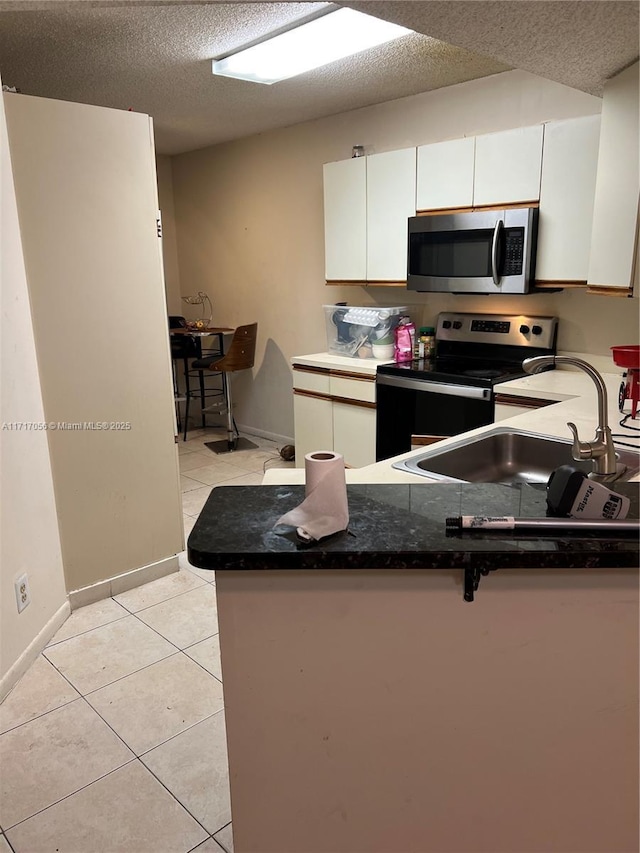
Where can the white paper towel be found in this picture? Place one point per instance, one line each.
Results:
(324, 510)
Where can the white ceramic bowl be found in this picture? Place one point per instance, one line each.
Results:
(382, 351)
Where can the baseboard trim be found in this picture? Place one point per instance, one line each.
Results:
(121, 583)
(261, 433)
(29, 655)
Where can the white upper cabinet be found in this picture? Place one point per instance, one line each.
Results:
(367, 201)
(615, 215)
(445, 174)
(507, 166)
(567, 192)
(391, 200)
(345, 220)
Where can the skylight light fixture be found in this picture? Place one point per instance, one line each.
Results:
(340, 33)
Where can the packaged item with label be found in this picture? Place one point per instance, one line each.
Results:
(404, 340)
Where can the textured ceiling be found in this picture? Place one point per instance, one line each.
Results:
(155, 56)
(580, 43)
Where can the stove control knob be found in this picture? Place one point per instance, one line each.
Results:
(525, 329)
(446, 324)
(537, 330)
(457, 324)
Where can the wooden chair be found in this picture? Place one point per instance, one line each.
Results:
(240, 356)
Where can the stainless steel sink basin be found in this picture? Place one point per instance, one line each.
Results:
(504, 455)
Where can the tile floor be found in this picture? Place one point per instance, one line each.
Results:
(114, 740)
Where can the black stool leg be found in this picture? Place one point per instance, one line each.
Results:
(201, 381)
(231, 436)
(187, 398)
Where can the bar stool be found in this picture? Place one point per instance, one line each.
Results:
(198, 382)
(240, 356)
(183, 347)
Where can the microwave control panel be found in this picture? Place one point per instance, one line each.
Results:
(513, 251)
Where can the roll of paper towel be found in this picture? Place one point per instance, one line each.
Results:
(324, 510)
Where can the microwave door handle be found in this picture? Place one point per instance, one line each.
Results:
(495, 272)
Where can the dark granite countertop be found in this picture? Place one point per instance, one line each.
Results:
(398, 526)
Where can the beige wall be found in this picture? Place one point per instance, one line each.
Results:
(85, 183)
(169, 245)
(29, 539)
(249, 221)
(386, 714)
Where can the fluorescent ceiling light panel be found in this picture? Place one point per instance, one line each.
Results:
(311, 45)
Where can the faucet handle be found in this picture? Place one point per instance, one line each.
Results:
(580, 449)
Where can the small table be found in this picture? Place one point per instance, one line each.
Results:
(198, 335)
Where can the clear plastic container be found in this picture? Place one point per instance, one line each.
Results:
(350, 328)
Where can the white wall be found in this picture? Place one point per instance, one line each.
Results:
(29, 539)
(169, 245)
(249, 221)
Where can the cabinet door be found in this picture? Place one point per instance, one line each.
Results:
(615, 214)
(345, 220)
(503, 411)
(354, 434)
(507, 166)
(391, 200)
(85, 183)
(313, 424)
(445, 174)
(569, 163)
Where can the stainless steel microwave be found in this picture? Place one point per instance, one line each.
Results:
(488, 251)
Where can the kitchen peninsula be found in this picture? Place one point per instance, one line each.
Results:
(372, 709)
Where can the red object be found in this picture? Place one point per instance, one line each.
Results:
(629, 358)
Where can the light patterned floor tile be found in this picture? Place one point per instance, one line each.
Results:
(225, 838)
(250, 479)
(151, 706)
(253, 460)
(206, 574)
(184, 448)
(86, 618)
(196, 459)
(193, 766)
(187, 619)
(187, 484)
(188, 521)
(153, 593)
(41, 689)
(53, 756)
(4, 845)
(208, 846)
(192, 502)
(207, 654)
(216, 472)
(105, 654)
(128, 811)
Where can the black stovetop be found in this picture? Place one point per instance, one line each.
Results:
(478, 373)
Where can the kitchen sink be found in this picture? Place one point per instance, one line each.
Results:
(504, 455)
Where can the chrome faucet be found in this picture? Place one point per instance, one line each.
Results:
(601, 450)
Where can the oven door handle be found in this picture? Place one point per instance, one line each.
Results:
(495, 272)
(435, 387)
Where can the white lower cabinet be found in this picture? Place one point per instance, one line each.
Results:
(354, 433)
(313, 421)
(334, 411)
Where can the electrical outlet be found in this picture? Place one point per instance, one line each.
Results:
(23, 593)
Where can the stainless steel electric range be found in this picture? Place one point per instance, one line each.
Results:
(453, 392)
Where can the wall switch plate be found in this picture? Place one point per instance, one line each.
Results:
(23, 593)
